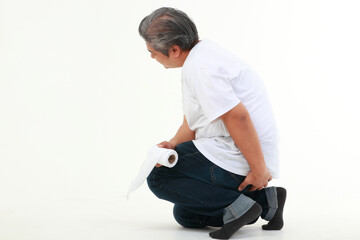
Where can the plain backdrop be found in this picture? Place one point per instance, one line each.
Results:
(81, 102)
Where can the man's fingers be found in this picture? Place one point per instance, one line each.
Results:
(243, 185)
(162, 144)
(253, 188)
(165, 145)
(253, 183)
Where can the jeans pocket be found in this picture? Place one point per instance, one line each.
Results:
(224, 178)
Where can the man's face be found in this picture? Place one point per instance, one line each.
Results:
(166, 61)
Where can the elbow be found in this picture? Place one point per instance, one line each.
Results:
(240, 118)
(238, 114)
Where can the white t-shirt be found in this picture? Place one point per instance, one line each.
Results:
(213, 82)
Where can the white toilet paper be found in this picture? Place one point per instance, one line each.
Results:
(163, 156)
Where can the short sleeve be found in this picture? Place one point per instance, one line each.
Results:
(212, 88)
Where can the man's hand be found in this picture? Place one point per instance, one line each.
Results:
(257, 181)
(167, 145)
(243, 132)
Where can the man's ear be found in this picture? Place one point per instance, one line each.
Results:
(175, 51)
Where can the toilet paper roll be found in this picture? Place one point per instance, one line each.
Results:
(163, 156)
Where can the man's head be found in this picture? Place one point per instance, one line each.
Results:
(168, 31)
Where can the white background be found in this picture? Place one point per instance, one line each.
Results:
(81, 102)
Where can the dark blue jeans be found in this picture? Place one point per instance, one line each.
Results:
(199, 189)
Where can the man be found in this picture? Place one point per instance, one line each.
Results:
(228, 141)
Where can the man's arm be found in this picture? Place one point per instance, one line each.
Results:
(242, 131)
(184, 134)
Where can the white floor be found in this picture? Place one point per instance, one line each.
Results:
(108, 216)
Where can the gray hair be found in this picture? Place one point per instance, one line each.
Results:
(166, 27)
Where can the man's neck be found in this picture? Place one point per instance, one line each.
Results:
(183, 57)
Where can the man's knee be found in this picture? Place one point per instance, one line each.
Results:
(152, 181)
(185, 219)
(178, 215)
(158, 179)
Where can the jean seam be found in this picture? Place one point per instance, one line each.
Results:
(212, 174)
(213, 178)
(233, 212)
(234, 177)
(190, 154)
(183, 220)
(182, 194)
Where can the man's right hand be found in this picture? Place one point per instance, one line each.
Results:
(167, 145)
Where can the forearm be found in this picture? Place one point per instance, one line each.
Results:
(242, 131)
(184, 134)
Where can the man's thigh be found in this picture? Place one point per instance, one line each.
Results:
(192, 163)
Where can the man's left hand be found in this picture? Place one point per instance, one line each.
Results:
(257, 181)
